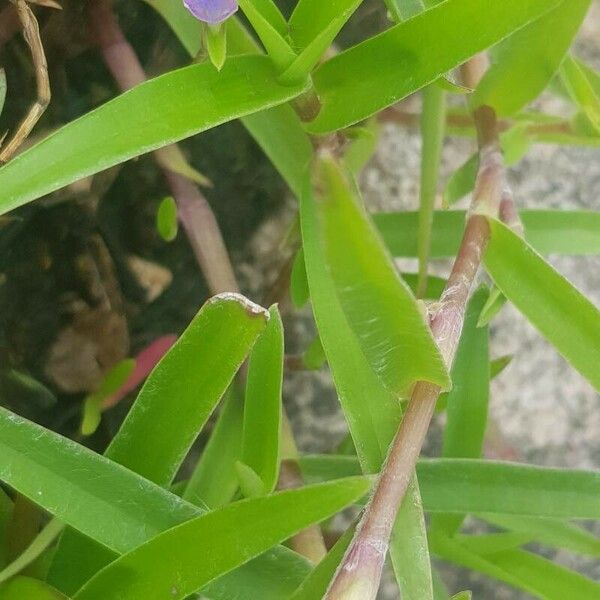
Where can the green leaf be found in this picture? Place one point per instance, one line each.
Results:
(271, 13)
(311, 18)
(581, 90)
(92, 406)
(151, 115)
(192, 377)
(493, 542)
(466, 595)
(251, 485)
(80, 487)
(299, 292)
(154, 442)
(499, 364)
(534, 574)
(557, 309)
(492, 307)
(214, 480)
(316, 584)
(548, 231)
(461, 182)
(402, 10)
(35, 549)
(168, 565)
(548, 579)
(372, 413)
(215, 40)
(166, 219)
(524, 63)
(362, 146)
(467, 403)
(439, 589)
(550, 532)
(114, 506)
(314, 356)
(484, 486)
(424, 48)
(281, 136)
(6, 509)
(26, 588)
(433, 128)
(409, 548)
(379, 306)
(262, 409)
(275, 44)
(324, 20)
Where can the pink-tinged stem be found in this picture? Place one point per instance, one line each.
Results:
(360, 572)
(145, 361)
(195, 213)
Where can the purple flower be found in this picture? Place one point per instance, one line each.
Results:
(211, 11)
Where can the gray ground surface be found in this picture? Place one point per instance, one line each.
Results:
(540, 406)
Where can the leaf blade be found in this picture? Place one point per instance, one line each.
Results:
(175, 105)
(232, 535)
(378, 304)
(425, 47)
(525, 62)
(565, 317)
(262, 408)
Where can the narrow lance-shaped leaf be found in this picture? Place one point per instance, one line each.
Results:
(312, 17)
(550, 532)
(21, 588)
(379, 306)
(168, 566)
(315, 585)
(262, 408)
(214, 480)
(276, 45)
(299, 292)
(467, 403)
(483, 486)
(372, 295)
(582, 90)
(80, 487)
(548, 231)
(423, 48)
(371, 410)
(116, 507)
(564, 316)
(308, 16)
(524, 64)
(534, 574)
(154, 442)
(153, 114)
(409, 548)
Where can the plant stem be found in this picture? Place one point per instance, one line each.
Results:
(433, 119)
(195, 213)
(360, 572)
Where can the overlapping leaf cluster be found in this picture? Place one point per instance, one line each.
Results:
(127, 533)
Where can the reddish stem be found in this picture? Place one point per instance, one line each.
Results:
(195, 213)
(360, 572)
